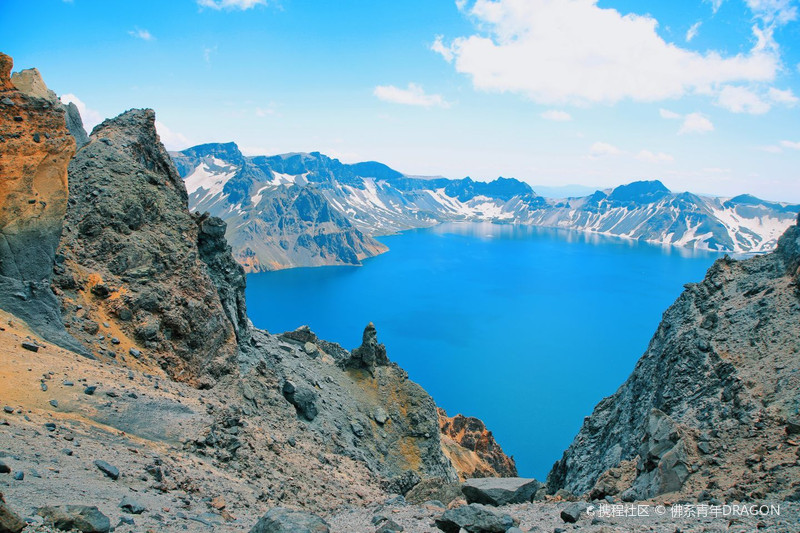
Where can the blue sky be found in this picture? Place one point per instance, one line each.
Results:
(701, 94)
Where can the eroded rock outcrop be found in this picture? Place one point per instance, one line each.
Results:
(472, 448)
(370, 413)
(134, 255)
(35, 149)
(706, 411)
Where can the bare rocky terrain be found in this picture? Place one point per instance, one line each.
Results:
(137, 396)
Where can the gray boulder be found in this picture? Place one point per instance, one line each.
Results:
(81, 517)
(500, 490)
(434, 489)
(475, 518)
(572, 512)
(130, 505)
(282, 520)
(303, 398)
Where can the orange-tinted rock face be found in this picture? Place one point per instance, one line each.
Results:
(35, 149)
(472, 448)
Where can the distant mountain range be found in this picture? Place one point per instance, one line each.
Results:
(307, 209)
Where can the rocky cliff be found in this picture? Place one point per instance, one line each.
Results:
(132, 255)
(710, 410)
(472, 448)
(35, 149)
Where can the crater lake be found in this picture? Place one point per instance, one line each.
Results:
(525, 328)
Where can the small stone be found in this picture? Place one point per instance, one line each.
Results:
(19, 476)
(66, 451)
(43, 386)
(572, 512)
(7, 101)
(30, 346)
(54, 403)
(4, 468)
(129, 505)
(90, 390)
(8, 409)
(389, 526)
(135, 353)
(50, 426)
(69, 384)
(114, 340)
(109, 470)
(380, 416)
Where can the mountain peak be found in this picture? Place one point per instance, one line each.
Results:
(639, 192)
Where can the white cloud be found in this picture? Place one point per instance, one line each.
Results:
(791, 145)
(231, 4)
(141, 34)
(601, 149)
(556, 116)
(654, 157)
(741, 100)
(90, 117)
(440, 48)
(413, 95)
(671, 115)
(172, 140)
(696, 123)
(785, 97)
(778, 12)
(692, 31)
(575, 52)
(715, 4)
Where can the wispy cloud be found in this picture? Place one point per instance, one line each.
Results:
(785, 97)
(696, 123)
(671, 115)
(413, 95)
(791, 145)
(654, 157)
(209, 51)
(691, 33)
(556, 116)
(141, 34)
(742, 100)
(231, 4)
(602, 149)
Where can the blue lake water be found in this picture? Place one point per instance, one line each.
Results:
(525, 328)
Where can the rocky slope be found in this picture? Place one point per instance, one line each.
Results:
(472, 448)
(256, 194)
(711, 409)
(35, 149)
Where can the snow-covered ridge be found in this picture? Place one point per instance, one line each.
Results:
(242, 190)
